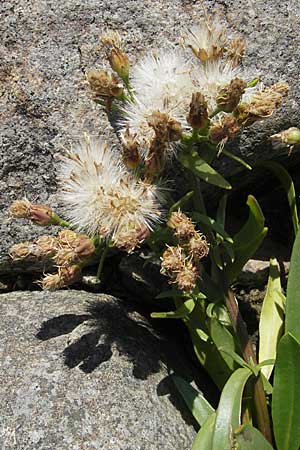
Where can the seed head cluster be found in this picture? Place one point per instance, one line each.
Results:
(181, 263)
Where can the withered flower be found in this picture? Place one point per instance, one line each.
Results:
(198, 113)
(104, 84)
(182, 225)
(230, 95)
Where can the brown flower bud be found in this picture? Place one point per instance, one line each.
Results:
(156, 159)
(182, 225)
(41, 214)
(38, 213)
(166, 128)
(198, 114)
(130, 154)
(104, 84)
(230, 95)
(224, 130)
(119, 62)
(111, 39)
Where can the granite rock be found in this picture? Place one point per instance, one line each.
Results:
(84, 371)
(47, 46)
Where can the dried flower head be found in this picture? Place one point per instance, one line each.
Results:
(261, 104)
(198, 114)
(207, 40)
(99, 196)
(111, 39)
(130, 151)
(182, 225)
(230, 95)
(187, 278)
(21, 250)
(131, 238)
(198, 247)
(224, 129)
(38, 213)
(104, 84)
(166, 128)
(64, 277)
(47, 245)
(236, 51)
(173, 260)
(20, 209)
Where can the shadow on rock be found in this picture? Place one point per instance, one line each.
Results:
(108, 326)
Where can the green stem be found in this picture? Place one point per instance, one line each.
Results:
(56, 220)
(101, 263)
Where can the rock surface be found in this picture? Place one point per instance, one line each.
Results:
(47, 46)
(82, 371)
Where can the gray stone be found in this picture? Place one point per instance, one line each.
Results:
(47, 46)
(84, 371)
(255, 273)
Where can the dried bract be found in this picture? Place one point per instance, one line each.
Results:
(230, 95)
(198, 113)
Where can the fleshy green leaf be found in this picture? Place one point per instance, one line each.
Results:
(285, 399)
(203, 440)
(229, 410)
(181, 202)
(202, 169)
(247, 240)
(184, 310)
(221, 212)
(236, 158)
(249, 438)
(197, 404)
(292, 319)
(271, 319)
(222, 337)
(211, 223)
(287, 183)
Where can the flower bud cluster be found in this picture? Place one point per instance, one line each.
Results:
(38, 213)
(181, 263)
(68, 250)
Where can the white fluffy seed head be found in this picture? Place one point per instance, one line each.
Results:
(211, 77)
(162, 83)
(99, 196)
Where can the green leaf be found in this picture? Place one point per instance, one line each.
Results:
(292, 319)
(229, 409)
(181, 202)
(197, 404)
(222, 337)
(184, 310)
(211, 223)
(236, 158)
(285, 399)
(221, 212)
(247, 240)
(287, 183)
(253, 82)
(203, 440)
(249, 438)
(202, 169)
(271, 319)
(235, 357)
